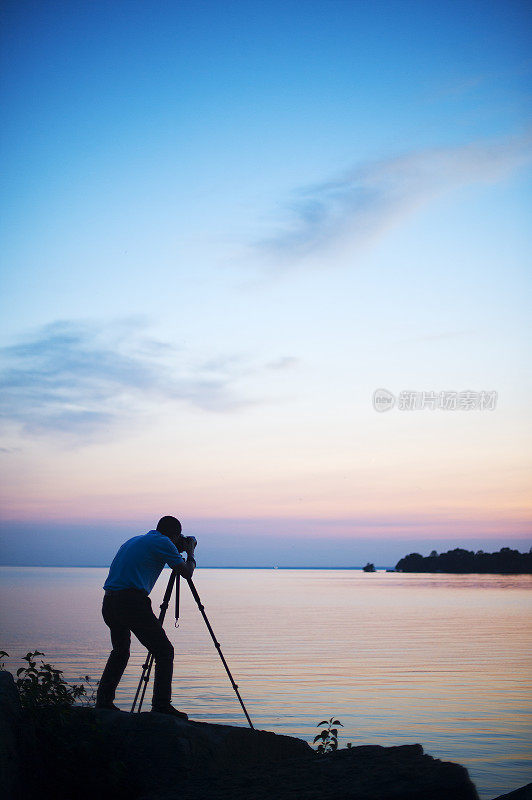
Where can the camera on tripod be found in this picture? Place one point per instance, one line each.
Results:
(185, 543)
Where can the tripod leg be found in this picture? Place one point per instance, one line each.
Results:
(217, 645)
(144, 678)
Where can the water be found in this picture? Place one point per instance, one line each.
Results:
(443, 660)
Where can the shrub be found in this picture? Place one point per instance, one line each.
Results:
(40, 685)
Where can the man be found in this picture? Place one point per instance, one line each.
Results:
(127, 607)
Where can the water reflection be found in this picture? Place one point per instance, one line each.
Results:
(439, 659)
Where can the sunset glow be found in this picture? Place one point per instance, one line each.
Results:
(224, 232)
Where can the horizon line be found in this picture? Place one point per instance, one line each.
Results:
(208, 566)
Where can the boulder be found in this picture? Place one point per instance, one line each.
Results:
(162, 752)
(365, 773)
(173, 759)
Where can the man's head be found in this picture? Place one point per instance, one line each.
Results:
(171, 527)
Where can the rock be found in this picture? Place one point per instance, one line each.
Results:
(10, 726)
(87, 753)
(360, 773)
(162, 752)
(524, 793)
(173, 759)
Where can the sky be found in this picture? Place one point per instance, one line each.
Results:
(225, 226)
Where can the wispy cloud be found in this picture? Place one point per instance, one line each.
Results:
(367, 200)
(284, 363)
(81, 381)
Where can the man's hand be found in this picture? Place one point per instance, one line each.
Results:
(188, 567)
(190, 545)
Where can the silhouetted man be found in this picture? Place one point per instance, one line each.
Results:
(127, 607)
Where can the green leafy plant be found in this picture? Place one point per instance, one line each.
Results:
(328, 737)
(40, 685)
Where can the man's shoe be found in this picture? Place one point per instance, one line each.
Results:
(108, 706)
(170, 710)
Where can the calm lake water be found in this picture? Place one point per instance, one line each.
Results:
(443, 660)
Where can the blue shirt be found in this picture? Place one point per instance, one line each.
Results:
(140, 560)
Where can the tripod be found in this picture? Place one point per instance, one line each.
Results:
(148, 664)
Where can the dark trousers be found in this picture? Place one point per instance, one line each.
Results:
(130, 610)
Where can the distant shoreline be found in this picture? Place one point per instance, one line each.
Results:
(379, 569)
(466, 562)
(247, 566)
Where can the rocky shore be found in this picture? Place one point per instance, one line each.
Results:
(87, 753)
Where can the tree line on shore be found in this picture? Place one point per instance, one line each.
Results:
(505, 562)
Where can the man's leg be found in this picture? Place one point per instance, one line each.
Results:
(117, 661)
(150, 633)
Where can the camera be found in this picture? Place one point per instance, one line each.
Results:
(185, 542)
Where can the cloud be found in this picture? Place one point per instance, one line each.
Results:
(81, 381)
(367, 200)
(283, 363)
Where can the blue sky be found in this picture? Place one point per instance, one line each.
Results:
(225, 225)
